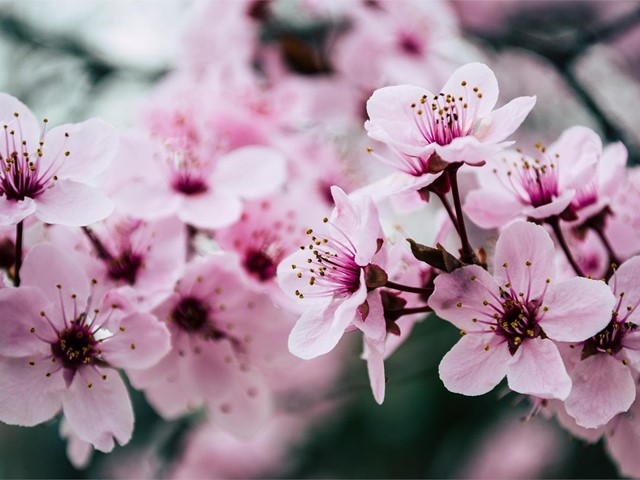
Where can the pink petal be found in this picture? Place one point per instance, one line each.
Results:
(147, 200)
(537, 369)
(20, 310)
(602, 388)
(139, 343)
(91, 144)
(27, 395)
(392, 118)
(12, 211)
(468, 287)
(73, 204)
(578, 149)
(395, 184)
(625, 280)
(474, 75)
(612, 168)
(375, 368)
(374, 326)
(528, 253)
(472, 369)
(26, 126)
(623, 443)
(491, 208)
(98, 408)
(578, 309)
(468, 150)
(321, 327)
(555, 207)
(45, 267)
(79, 452)
(210, 210)
(250, 172)
(502, 122)
(246, 407)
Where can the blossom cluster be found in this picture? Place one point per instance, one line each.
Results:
(210, 254)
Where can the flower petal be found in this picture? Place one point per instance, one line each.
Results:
(13, 211)
(73, 204)
(464, 82)
(502, 122)
(524, 259)
(459, 296)
(98, 408)
(250, 172)
(20, 310)
(470, 368)
(375, 368)
(577, 309)
(537, 369)
(45, 267)
(210, 210)
(25, 125)
(139, 343)
(602, 387)
(27, 395)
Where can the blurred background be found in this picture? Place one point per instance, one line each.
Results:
(70, 60)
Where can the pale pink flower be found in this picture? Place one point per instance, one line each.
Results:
(603, 368)
(458, 124)
(60, 349)
(541, 186)
(224, 336)
(48, 174)
(123, 251)
(205, 191)
(510, 319)
(328, 275)
(623, 226)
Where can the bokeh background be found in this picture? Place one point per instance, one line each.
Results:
(70, 60)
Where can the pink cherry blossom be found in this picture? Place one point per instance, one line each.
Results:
(541, 186)
(604, 367)
(224, 337)
(327, 275)
(511, 319)
(456, 125)
(48, 174)
(61, 348)
(203, 191)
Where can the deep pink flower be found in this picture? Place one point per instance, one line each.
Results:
(327, 275)
(47, 174)
(510, 318)
(458, 124)
(60, 348)
(541, 186)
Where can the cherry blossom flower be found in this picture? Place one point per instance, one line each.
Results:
(224, 336)
(520, 186)
(60, 350)
(203, 191)
(48, 174)
(328, 275)
(603, 368)
(456, 125)
(511, 319)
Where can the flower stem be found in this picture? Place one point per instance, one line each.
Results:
(468, 255)
(555, 225)
(449, 209)
(613, 258)
(101, 250)
(18, 264)
(393, 315)
(406, 288)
